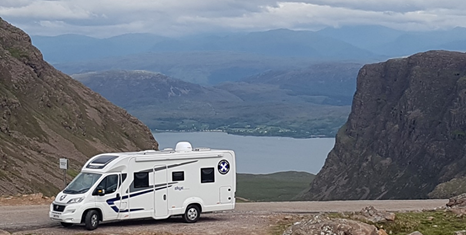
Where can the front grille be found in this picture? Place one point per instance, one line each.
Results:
(58, 208)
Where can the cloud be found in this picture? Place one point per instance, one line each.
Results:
(105, 18)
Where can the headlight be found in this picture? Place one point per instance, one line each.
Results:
(75, 200)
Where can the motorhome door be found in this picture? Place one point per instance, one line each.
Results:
(107, 196)
(124, 198)
(161, 191)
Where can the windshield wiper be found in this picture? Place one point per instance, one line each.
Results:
(70, 191)
(82, 190)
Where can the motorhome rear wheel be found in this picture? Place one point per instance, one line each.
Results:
(192, 214)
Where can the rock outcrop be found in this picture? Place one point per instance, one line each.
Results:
(46, 115)
(406, 132)
(327, 226)
(370, 214)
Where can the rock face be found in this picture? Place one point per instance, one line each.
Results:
(406, 132)
(46, 115)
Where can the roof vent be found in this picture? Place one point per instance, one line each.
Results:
(183, 147)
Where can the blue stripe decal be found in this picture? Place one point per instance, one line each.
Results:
(111, 201)
(115, 208)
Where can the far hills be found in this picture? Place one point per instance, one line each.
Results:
(300, 103)
(212, 59)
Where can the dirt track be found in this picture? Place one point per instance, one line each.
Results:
(247, 218)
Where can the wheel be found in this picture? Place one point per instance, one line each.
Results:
(192, 214)
(66, 225)
(92, 220)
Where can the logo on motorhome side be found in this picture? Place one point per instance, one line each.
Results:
(223, 167)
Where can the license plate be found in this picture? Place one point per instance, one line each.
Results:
(55, 216)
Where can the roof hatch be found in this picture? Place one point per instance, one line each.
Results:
(101, 162)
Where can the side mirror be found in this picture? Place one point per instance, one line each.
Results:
(100, 191)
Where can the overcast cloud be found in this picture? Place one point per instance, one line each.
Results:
(104, 18)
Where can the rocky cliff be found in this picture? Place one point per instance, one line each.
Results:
(405, 135)
(46, 115)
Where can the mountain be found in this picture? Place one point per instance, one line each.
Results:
(388, 42)
(46, 115)
(165, 103)
(214, 59)
(405, 134)
(279, 42)
(205, 60)
(73, 48)
(331, 83)
(368, 37)
(414, 42)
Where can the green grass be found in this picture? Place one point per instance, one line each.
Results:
(17, 53)
(281, 186)
(438, 222)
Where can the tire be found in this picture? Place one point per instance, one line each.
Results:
(91, 220)
(66, 225)
(192, 213)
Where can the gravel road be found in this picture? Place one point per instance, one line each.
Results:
(247, 218)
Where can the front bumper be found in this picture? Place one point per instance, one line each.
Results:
(69, 214)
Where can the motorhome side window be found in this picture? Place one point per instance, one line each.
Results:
(141, 179)
(178, 176)
(207, 175)
(123, 177)
(109, 184)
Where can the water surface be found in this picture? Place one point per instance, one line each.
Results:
(259, 155)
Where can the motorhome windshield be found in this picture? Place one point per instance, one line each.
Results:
(82, 183)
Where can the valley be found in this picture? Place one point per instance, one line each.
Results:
(271, 104)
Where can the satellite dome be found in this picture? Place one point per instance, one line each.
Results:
(183, 147)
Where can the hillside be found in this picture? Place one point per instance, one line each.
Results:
(200, 67)
(165, 103)
(280, 186)
(404, 138)
(47, 115)
(322, 83)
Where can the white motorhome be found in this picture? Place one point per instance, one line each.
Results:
(148, 184)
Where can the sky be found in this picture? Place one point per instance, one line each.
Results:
(106, 18)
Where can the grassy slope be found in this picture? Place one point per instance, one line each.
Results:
(281, 186)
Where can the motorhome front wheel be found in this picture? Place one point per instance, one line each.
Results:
(92, 220)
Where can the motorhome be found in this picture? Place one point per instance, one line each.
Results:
(148, 184)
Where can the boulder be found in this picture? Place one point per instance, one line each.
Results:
(457, 201)
(415, 233)
(457, 205)
(382, 232)
(373, 215)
